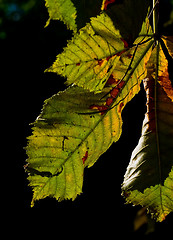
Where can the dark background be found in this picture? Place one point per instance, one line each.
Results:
(27, 49)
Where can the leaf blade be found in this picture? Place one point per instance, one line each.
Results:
(60, 141)
(91, 56)
(58, 10)
(150, 167)
(77, 126)
(68, 131)
(84, 60)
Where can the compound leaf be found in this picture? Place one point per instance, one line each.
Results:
(77, 126)
(149, 177)
(105, 63)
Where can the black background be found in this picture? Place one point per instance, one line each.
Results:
(26, 52)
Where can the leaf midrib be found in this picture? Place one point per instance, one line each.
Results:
(103, 116)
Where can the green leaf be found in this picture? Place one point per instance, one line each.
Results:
(63, 10)
(149, 177)
(92, 55)
(75, 14)
(105, 63)
(89, 58)
(77, 126)
(68, 136)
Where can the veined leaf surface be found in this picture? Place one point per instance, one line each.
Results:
(67, 136)
(75, 14)
(168, 40)
(149, 177)
(92, 55)
(63, 10)
(76, 127)
(105, 63)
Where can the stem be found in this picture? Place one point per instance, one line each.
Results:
(155, 16)
(155, 29)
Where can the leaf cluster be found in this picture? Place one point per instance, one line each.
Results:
(114, 48)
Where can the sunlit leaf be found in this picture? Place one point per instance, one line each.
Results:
(92, 55)
(77, 126)
(63, 10)
(68, 136)
(104, 64)
(75, 14)
(149, 177)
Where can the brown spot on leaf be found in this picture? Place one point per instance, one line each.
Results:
(102, 109)
(109, 101)
(85, 157)
(116, 89)
(121, 84)
(114, 92)
(108, 58)
(165, 82)
(100, 62)
(120, 53)
(120, 106)
(126, 45)
(129, 55)
(110, 81)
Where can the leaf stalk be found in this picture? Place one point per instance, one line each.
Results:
(155, 16)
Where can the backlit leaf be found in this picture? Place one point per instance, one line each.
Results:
(168, 40)
(149, 177)
(75, 14)
(77, 126)
(63, 10)
(68, 136)
(104, 64)
(92, 55)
